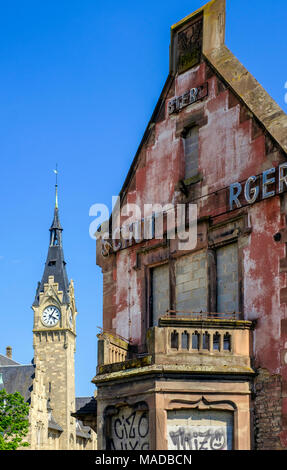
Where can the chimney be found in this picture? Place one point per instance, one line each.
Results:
(9, 352)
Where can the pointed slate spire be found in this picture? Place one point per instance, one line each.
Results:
(55, 263)
(56, 230)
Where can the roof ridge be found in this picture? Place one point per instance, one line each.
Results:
(251, 92)
(17, 365)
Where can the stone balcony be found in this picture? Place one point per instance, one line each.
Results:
(193, 343)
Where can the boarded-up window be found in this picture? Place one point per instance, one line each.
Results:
(227, 278)
(160, 292)
(199, 430)
(191, 152)
(191, 283)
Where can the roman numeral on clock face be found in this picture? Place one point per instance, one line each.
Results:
(51, 315)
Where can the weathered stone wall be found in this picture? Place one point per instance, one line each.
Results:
(38, 413)
(267, 411)
(54, 349)
(233, 145)
(56, 353)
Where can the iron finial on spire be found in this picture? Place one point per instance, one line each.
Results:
(56, 187)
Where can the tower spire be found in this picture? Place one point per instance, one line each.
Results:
(55, 263)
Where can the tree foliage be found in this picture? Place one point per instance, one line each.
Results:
(14, 424)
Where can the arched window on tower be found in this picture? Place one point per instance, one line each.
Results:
(216, 342)
(174, 340)
(227, 342)
(185, 340)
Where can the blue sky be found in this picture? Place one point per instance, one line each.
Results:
(78, 84)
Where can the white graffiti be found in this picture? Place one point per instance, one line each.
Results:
(199, 438)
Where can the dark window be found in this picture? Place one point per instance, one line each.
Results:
(205, 341)
(216, 342)
(195, 340)
(174, 340)
(191, 152)
(227, 342)
(185, 340)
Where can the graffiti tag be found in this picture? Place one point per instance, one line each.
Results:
(129, 430)
(199, 439)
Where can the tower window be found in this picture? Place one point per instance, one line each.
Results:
(205, 341)
(191, 152)
(174, 340)
(195, 340)
(227, 342)
(216, 342)
(185, 340)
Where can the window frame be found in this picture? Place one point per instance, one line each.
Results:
(184, 136)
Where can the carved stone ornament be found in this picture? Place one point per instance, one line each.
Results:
(189, 46)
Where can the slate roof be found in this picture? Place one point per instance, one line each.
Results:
(55, 262)
(86, 405)
(83, 431)
(6, 361)
(52, 423)
(17, 378)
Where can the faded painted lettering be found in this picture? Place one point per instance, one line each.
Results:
(179, 102)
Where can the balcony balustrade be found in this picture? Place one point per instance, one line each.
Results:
(197, 341)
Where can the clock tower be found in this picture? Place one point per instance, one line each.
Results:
(54, 336)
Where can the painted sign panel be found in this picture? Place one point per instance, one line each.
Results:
(191, 96)
(272, 181)
(199, 430)
(129, 430)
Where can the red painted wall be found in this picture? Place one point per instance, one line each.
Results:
(232, 147)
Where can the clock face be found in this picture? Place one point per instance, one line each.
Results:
(51, 315)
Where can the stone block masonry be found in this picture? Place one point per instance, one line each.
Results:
(267, 411)
(191, 283)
